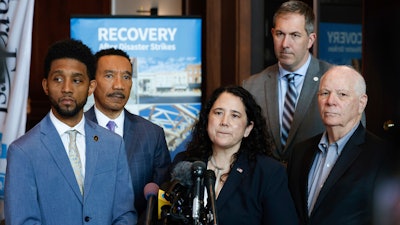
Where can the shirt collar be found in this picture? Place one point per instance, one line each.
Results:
(301, 71)
(102, 119)
(61, 127)
(324, 143)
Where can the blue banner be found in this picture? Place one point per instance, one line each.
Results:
(340, 43)
(166, 57)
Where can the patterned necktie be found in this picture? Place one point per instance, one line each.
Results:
(111, 125)
(74, 158)
(288, 108)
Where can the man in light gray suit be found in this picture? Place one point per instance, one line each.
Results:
(293, 35)
(45, 184)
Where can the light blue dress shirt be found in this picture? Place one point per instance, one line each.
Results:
(283, 84)
(323, 163)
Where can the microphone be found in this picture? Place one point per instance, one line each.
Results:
(182, 173)
(198, 168)
(209, 181)
(151, 195)
(173, 204)
(181, 180)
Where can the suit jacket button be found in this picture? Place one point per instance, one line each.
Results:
(87, 219)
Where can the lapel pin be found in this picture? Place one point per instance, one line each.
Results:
(315, 78)
(240, 170)
(95, 138)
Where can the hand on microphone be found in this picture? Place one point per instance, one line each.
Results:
(151, 195)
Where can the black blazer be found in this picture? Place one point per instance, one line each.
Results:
(254, 196)
(347, 195)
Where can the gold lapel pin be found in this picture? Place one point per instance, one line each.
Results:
(95, 138)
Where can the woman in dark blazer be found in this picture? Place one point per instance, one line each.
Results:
(230, 137)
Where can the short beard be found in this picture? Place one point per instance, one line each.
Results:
(67, 113)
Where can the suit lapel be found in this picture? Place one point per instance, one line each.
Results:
(52, 142)
(239, 171)
(308, 92)
(91, 115)
(271, 86)
(349, 154)
(92, 144)
(129, 129)
(306, 164)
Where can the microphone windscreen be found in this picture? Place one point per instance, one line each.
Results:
(182, 173)
(151, 189)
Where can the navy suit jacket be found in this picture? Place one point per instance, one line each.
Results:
(346, 197)
(41, 187)
(254, 194)
(147, 152)
(306, 121)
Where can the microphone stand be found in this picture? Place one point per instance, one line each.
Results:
(198, 168)
(209, 180)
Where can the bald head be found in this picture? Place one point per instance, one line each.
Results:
(349, 75)
(341, 99)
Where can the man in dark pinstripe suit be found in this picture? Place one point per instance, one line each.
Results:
(145, 143)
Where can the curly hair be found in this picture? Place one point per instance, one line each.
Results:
(258, 141)
(72, 49)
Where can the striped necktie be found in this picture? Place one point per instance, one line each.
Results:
(74, 158)
(288, 107)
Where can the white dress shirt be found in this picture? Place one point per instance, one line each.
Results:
(80, 137)
(102, 120)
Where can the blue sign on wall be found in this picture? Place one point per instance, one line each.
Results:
(340, 43)
(166, 55)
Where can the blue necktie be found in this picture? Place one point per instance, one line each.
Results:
(111, 125)
(288, 108)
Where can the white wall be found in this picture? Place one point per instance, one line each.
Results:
(142, 7)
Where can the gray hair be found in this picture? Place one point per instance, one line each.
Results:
(297, 7)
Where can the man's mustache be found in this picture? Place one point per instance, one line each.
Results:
(116, 94)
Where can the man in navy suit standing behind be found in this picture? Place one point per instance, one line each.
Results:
(68, 170)
(146, 148)
(332, 176)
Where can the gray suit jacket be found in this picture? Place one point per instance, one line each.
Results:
(147, 151)
(306, 122)
(41, 187)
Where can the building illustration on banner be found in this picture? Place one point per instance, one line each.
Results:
(168, 86)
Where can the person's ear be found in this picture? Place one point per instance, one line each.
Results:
(92, 87)
(248, 129)
(45, 86)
